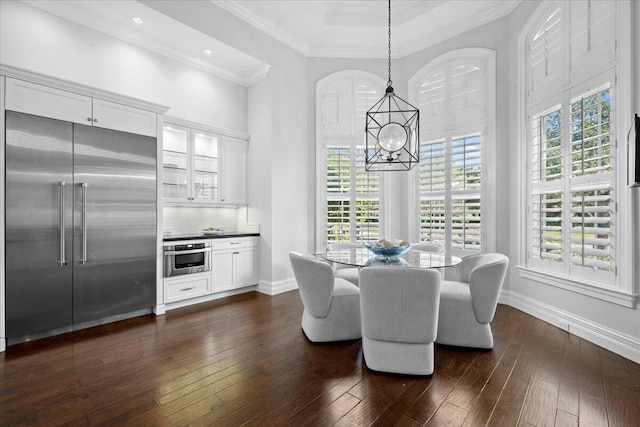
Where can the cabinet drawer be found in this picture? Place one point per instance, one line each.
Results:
(187, 289)
(240, 242)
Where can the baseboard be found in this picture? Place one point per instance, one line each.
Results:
(3, 345)
(605, 337)
(159, 310)
(207, 298)
(275, 288)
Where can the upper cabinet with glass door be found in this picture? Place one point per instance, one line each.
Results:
(193, 159)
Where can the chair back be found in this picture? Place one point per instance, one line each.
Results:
(315, 282)
(427, 247)
(485, 275)
(400, 304)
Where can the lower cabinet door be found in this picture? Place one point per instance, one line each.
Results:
(222, 270)
(246, 267)
(180, 289)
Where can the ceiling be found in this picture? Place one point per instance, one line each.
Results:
(315, 28)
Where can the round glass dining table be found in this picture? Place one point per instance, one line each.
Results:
(362, 257)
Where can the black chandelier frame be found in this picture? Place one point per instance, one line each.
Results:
(393, 111)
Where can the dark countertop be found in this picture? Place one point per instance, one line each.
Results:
(195, 236)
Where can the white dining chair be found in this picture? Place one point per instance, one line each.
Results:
(399, 308)
(467, 306)
(427, 247)
(331, 305)
(342, 271)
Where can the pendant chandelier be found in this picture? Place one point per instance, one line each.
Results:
(392, 130)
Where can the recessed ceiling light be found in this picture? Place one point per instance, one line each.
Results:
(137, 20)
(208, 51)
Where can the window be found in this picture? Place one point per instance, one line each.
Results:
(574, 206)
(453, 196)
(571, 220)
(349, 207)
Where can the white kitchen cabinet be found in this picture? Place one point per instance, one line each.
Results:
(201, 166)
(45, 101)
(246, 263)
(235, 263)
(186, 287)
(190, 165)
(223, 270)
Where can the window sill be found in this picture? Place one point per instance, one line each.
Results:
(582, 286)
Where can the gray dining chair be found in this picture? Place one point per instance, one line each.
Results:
(467, 306)
(331, 305)
(342, 271)
(399, 318)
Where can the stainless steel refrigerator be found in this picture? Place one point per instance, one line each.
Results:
(80, 225)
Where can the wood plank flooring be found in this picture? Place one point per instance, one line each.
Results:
(244, 360)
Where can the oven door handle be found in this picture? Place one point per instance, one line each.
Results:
(191, 251)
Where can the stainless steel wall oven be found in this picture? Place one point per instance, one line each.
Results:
(187, 258)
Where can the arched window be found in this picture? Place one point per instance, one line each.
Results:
(349, 198)
(453, 195)
(571, 119)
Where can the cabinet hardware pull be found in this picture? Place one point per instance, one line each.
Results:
(95, 120)
(187, 289)
(84, 186)
(236, 253)
(88, 119)
(235, 243)
(63, 257)
(190, 251)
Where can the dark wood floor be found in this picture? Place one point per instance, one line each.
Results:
(245, 361)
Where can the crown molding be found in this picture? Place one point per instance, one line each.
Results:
(235, 8)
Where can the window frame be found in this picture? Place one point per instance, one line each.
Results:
(488, 156)
(321, 161)
(617, 69)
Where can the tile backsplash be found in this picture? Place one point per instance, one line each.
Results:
(187, 219)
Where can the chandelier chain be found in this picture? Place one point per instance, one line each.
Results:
(389, 82)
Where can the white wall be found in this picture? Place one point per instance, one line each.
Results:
(46, 44)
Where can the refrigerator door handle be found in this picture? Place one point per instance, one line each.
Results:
(63, 258)
(84, 223)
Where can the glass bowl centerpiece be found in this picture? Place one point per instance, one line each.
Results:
(388, 249)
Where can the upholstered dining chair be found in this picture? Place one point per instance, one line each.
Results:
(399, 318)
(331, 305)
(427, 247)
(344, 271)
(467, 306)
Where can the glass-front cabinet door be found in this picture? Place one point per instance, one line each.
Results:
(205, 166)
(176, 180)
(190, 165)
(201, 165)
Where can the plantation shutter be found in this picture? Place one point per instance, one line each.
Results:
(546, 226)
(352, 196)
(591, 185)
(545, 54)
(367, 201)
(338, 187)
(432, 175)
(338, 109)
(591, 228)
(466, 93)
(431, 101)
(452, 100)
(590, 34)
